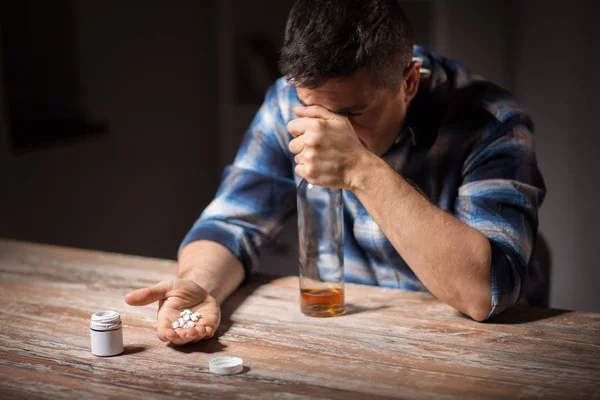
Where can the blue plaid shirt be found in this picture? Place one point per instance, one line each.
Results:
(466, 144)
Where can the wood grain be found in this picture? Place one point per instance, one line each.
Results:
(392, 343)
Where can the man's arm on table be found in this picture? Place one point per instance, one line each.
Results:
(256, 196)
(475, 260)
(212, 266)
(452, 259)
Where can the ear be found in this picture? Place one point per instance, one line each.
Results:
(410, 84)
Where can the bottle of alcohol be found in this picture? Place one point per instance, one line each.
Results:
(321, 234)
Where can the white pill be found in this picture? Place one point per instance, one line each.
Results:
(187, 311)
(175, 325)
(181, 321)
(193, 317)
(197, 314)
(189, 324)
(186, 317)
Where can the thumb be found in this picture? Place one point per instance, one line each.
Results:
(145, 296)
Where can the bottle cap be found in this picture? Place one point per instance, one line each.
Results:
(106, 333)
(105, 320)
(226, 365)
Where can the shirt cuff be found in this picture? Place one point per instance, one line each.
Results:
(216, 231)
(506, 279)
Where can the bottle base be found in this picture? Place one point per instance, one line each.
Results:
(322, 303)
(324, 311)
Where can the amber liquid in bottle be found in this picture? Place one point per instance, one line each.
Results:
(328, 302)
(321, 250)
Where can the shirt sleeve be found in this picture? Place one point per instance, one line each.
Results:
(501, 192)
(257, 192)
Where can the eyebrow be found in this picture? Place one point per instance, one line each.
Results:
(345, 110)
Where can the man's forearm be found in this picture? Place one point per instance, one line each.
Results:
(451, 258)
(212, 266)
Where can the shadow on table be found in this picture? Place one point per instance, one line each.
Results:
(127, 350)
(210, 346)
(239, 296)
(355, 309)
(522, 314)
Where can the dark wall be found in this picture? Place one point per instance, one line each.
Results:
(556, 78)
(147, 72)
(544, 51)
(166, 80)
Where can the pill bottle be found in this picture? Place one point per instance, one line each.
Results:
(106, 333)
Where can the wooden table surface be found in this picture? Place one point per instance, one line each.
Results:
(392, 343)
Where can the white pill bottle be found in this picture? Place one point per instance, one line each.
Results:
(106, 333)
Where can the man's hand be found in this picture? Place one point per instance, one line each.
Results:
(173, 297)
(326, 147)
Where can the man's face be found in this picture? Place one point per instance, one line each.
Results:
(377, 114)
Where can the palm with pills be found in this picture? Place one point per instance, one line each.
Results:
(173, 297)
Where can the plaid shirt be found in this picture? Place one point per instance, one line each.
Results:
(466, 144)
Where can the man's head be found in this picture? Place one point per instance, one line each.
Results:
(353, 57)
(329, 39)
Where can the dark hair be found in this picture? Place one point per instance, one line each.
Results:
(328, 39)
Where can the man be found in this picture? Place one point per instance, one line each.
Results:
(441, 185)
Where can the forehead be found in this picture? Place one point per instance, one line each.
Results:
(340, 93)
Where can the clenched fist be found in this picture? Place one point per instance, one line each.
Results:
(326, 146)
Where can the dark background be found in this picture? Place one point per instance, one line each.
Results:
(117, 117)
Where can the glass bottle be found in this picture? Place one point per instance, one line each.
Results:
(321, 250)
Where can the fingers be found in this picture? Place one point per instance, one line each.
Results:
(166, 317)
(296, 145)
(179, 336)
(300, 171)
(145, 296)
(298, 126)
(205, 329)
(188, 335)
(168, 335)
(307, 155)
(317, 174)
(210, 332)
(314, 111)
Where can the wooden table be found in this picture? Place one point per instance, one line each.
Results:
(392, 343)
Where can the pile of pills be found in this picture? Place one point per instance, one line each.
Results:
(187, 319)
